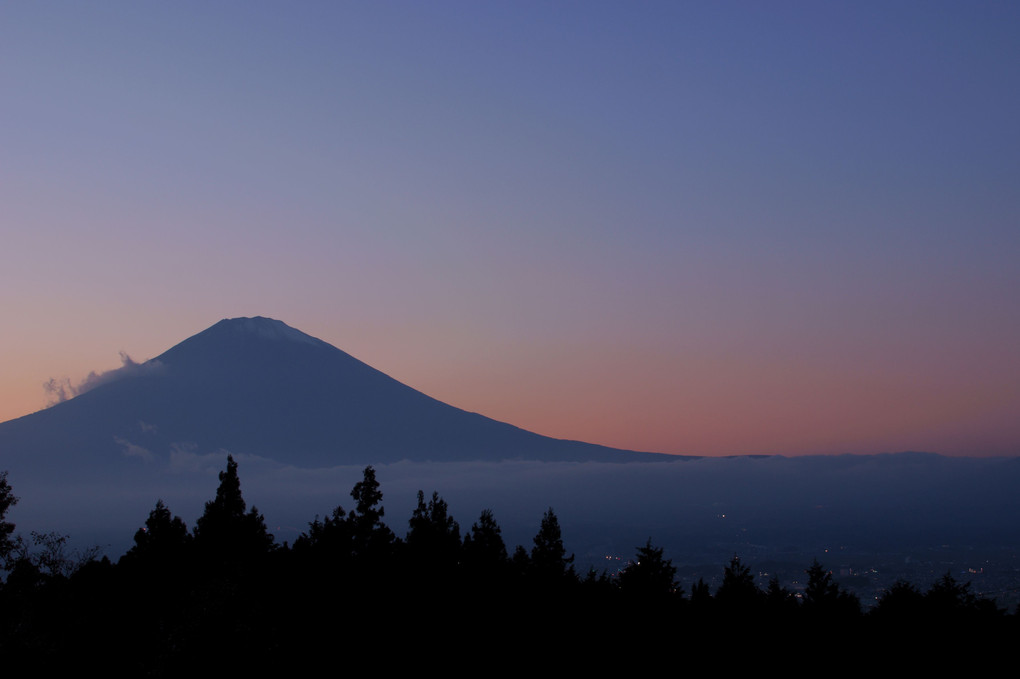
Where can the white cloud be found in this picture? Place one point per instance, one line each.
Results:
(60, 390)
(133, 450)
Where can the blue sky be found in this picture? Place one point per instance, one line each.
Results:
(708, 228)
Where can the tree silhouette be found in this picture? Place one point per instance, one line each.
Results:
(370, 537)
(484, 549)
(520, 562)
(47, 557)
(902, 600)
(648, 575)
(701, 594)
(329, 539)
(947, 595)
(820, 587)
(948, 598)
(162, 540)
(434, 537)
(7, 500)
(549, 560)
(823, 596)
(225, 531)
(738, 588)
(779, 600)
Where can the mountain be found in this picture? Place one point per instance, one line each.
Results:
(257, 386)
(303, 418)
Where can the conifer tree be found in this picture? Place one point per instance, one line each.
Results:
(433, 532)
(820, 590)
(520, 562)
(433, 540)
(7, 500)
(225, 531)
(948, 597)
(902, 600)
(371, 538)
(738, 588)
(648, 575)
(163, 538)
(549, 560)
(328, 538)
(484, 548)
(823, 596)
(701, 594)
(780, 600)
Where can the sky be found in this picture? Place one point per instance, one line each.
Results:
(710, 228)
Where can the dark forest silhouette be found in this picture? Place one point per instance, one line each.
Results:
(227, 591)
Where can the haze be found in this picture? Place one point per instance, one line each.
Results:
(701, 228)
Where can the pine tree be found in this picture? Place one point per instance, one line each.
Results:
(549, 561)
(163, 539)
(329, 539)
(901, 601)
(820, 590)
(520, 562)
(948, 598)
(433, 534)
(648, 575)
(823, 596)
(371, 539)
(738, 588)
(484, 549)
(225, 531)
(433, 544)
(701, 593)
(7, 500)
(779, 600)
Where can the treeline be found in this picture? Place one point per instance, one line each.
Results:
(227, 592)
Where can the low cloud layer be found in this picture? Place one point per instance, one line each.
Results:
(699, 510)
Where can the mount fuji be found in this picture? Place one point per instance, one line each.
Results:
(256, 386)
(304, 418)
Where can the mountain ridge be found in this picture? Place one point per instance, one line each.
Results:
(258, 386)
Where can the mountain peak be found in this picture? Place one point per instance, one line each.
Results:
(257, 386)
(266, 328)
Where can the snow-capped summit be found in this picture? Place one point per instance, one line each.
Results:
(267, 328)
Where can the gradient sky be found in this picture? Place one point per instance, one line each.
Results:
(689, 227)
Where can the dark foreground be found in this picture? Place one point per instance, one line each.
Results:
(350, 595)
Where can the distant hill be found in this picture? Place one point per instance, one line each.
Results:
(256, 386)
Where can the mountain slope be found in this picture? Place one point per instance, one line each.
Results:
(257, 386)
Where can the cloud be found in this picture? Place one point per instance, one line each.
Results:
(60, 390)
(701, 511)
(134, 450)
